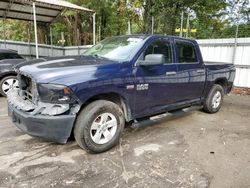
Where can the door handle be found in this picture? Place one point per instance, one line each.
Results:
(200, 71)
(170, 73)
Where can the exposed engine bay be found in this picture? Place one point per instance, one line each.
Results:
(26, 98)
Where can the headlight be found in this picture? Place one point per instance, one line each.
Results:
(52, 93)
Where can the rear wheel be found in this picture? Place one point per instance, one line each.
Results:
(7, 84)
(214, 99)
(99, 126)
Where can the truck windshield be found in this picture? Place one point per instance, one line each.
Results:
(116, 48)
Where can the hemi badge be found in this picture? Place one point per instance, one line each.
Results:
(130, 86)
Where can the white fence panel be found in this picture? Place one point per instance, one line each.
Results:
(28, 50)
(221, 50)
(74, 50)
(242, 78)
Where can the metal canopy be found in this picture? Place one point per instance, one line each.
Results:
(39, 11)
(46, 10)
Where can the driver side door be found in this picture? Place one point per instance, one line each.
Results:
(155, 84)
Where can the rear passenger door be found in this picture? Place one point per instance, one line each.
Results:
(190, 71)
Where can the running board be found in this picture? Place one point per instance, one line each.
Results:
(161, 117)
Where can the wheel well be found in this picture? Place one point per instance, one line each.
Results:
(7, 74)
(115, 98)
(223, 83)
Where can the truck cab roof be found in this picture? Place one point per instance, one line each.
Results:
(144, 36)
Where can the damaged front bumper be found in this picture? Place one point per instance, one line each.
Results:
(42, 120)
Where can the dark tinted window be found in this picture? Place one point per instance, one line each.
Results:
(186, 52)
(160, 47)
(9, 56)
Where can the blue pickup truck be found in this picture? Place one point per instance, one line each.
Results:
(121, 79)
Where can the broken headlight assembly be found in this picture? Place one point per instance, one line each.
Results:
(56, 94)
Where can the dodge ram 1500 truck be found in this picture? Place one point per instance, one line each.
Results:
(121, 79)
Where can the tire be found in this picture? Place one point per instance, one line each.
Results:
(214, 99)
(7, 83)
(91, 133)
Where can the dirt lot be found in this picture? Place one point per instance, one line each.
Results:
(197, 150)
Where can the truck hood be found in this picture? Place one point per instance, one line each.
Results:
(61, 70)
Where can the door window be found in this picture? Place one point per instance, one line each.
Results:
(186, 52)
(160, 47)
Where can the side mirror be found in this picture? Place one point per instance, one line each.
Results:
(152, 59)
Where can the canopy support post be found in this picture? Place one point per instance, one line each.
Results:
(35, 29)
(94, 28)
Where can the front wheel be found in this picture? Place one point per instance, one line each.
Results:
(214, 99)
(7, 84)
(99, 126)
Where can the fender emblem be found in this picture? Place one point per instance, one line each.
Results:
(140, 87)
(129, 87)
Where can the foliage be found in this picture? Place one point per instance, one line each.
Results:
(211, 18)
(14, 30)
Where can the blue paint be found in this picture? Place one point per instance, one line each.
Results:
(88, 76)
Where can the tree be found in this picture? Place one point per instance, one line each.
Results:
(211, 18)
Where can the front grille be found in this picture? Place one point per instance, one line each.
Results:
(27, 88)
(27, 95)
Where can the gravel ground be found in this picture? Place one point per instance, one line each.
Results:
(196, 150)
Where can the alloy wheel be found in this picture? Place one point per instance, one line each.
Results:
(9, 84)
(103, 128)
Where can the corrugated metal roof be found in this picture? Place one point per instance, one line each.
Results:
(46, 10)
